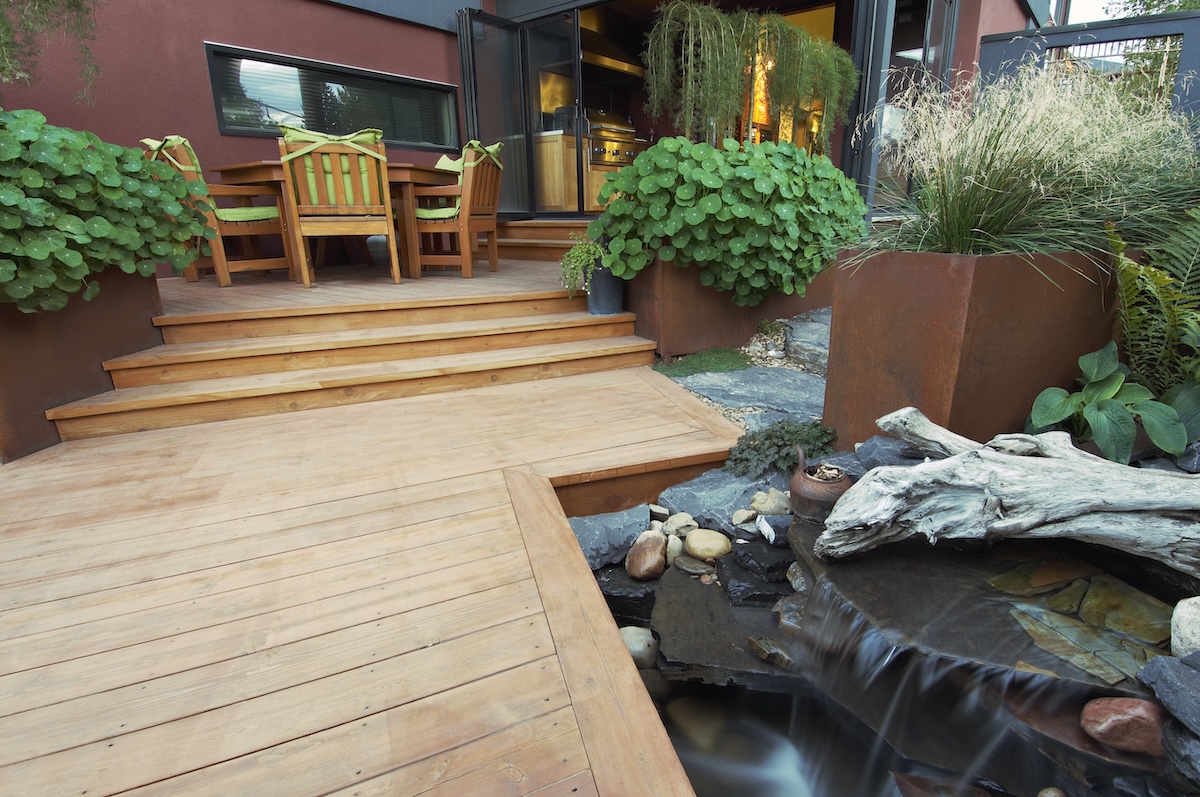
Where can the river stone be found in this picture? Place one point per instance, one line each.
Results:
(605, 538)
(771, 502)
(713, 496)
(659, 513)
(1185, 627)
(679, 524)
(642, 646)
(707, 545)
(1177, 687)
(647, 558)
(674, 549)
(743, 516)
(692, 566)
(764, 560)
(1128, 724)
(747, 589)
(796, 393)
(629, 601)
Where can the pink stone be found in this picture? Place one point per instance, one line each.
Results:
(1128, 724)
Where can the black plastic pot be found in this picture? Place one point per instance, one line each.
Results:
(607, 294)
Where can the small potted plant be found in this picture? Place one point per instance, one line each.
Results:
(582, 269)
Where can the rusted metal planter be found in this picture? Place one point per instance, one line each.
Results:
(970, 340)
(684, 317)
(49, 359)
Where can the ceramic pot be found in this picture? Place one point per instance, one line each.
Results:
(812, 498)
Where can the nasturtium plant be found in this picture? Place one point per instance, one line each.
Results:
(756, 219)
(72, 205)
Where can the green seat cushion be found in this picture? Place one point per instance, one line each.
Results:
(247, 214)
(437, 213)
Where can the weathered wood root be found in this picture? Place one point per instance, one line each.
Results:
(1019, 486)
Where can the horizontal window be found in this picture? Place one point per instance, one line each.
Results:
(256, 91)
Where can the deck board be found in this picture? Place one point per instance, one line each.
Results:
(379, 598)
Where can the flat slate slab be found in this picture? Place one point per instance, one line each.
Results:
(795, 393)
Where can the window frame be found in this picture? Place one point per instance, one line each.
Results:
(214, 51)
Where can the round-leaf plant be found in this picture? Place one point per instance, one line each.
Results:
(757, 219)
(72, 205)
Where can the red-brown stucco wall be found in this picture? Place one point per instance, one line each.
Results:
(154, 79)
(981, 18)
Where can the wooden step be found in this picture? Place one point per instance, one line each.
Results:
(300, 320)
(187, 362)
(180, 404)
(549, 249)
(542, 229)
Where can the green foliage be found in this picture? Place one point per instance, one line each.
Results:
(1105, 408)
(1039, 161)
(707, 361)
(1157, 319)
(579, 262)
(1137, 8)
(72, 205)
(757, 219)
(774, 446)
(1177, 252)
(24, 23)
(701, 62)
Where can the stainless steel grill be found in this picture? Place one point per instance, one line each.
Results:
(614, 140)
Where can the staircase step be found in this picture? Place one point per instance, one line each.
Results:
(533, 248)
(179, 404)
(542, 229)
(187, 362)
(301, 320)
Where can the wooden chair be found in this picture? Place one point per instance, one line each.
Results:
(463, 212)
(237, 219)
(335, 186)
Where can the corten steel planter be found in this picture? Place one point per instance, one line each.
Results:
(684, 317)
(49, 359)
(970, 340)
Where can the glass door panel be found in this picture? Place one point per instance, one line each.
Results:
(556, 122)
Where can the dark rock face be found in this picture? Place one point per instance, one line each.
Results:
(606, 538)
(745, 588)
(1183, 750)
(764, 560)
(1177, 686)
(631, 602)
(713, 496)
(878, 451)
(780, 525)
(1189, 460)
(798, 394)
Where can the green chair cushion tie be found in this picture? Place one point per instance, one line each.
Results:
(162, 150)
(449, 164)
(359, 141)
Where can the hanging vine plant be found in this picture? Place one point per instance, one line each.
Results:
(701, 63)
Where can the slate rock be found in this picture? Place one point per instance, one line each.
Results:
(693, 566)
(764, 560)
(1128, 724)
(1177, 687)
(757, 421)
(1183, 751)
(807, 341)
(713, 496)
(796, 393)
(746, 589)
(1160, 463)
(628, 600)
(1189, 460)
(779, 525)
(606, 538)
(878, 451)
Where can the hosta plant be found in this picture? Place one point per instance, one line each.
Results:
(1105, 408)
(755, 219)
(72, 205)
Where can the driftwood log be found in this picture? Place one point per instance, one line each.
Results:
(1016, 486)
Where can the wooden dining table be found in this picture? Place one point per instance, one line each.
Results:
(402, 179)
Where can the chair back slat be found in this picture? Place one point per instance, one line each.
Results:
(335, 179)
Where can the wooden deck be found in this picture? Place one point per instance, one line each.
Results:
(379, 598)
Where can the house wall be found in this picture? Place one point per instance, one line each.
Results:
(154, 79)
(978, 18)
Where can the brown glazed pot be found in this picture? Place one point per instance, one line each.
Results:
(812, 499)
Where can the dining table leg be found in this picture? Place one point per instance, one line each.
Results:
(406, 229)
